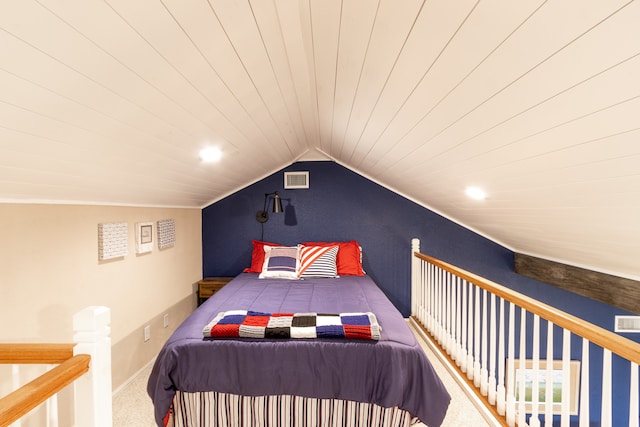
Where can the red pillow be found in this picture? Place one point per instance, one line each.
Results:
(257, 256)
(348, 260)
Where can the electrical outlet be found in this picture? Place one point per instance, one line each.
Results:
(147, 333)
(165, 320)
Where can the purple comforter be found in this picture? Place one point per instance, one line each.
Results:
(391, 372)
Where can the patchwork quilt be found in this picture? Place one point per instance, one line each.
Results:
(253, 324)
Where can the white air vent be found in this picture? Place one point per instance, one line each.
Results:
(627, 324)
(294, 180)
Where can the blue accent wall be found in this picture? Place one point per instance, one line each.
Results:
(342, 205)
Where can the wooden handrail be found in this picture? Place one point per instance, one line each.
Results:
(23, 354)
(619, 345)
(30, 395)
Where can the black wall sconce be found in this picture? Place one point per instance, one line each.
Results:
(262, 216)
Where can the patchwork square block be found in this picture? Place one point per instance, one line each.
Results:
(355, 319)
(304, 320)
(328, 320)
(280, 321)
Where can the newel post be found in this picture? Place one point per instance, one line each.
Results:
(93, 392)
(415, 270)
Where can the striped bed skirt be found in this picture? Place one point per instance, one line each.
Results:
(213, 409)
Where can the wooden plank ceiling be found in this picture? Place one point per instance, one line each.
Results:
(537, 102)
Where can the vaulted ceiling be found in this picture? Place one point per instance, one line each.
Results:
(537, 102)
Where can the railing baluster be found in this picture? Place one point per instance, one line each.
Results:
(416, 291)
(605, 417)
(584, 386)
(522, 368)
(459, 352)
(470, 330)
(634, 412)
(484, 373)
(501, 389)
(455, 326)
(15, 384)
(548, 407)
(492, 351)
(438, 301)
(447, 312)
(424, 315)
(511, 391)
(534, 420)
(566, 382)
(464, 328)
(442, 295)
(476, 338)
(427, 298)
(425, 294)
(451, 317)
(432, 302)
(52, 411)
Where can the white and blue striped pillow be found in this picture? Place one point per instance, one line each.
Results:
(317, 261)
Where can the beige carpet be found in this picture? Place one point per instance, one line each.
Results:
(132, 406)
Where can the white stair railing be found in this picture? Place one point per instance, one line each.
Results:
(503, 341)
(86, 364)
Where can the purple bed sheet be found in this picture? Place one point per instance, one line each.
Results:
(391, 372)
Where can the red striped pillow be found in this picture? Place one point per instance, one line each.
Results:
(318, 261)
(349, 257)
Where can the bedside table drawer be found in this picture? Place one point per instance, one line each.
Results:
(209, 286)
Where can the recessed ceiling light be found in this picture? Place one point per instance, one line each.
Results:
(210, 154)
(475, 193)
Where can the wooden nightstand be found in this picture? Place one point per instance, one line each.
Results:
(209, 286)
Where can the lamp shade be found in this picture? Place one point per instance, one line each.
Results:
(277, 203)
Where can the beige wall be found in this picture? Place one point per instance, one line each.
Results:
(49, 270)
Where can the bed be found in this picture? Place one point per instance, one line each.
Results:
(385, 380)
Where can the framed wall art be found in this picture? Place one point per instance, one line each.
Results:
(166, 233)
(112, 240)
(555, 394)
(144, 237)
